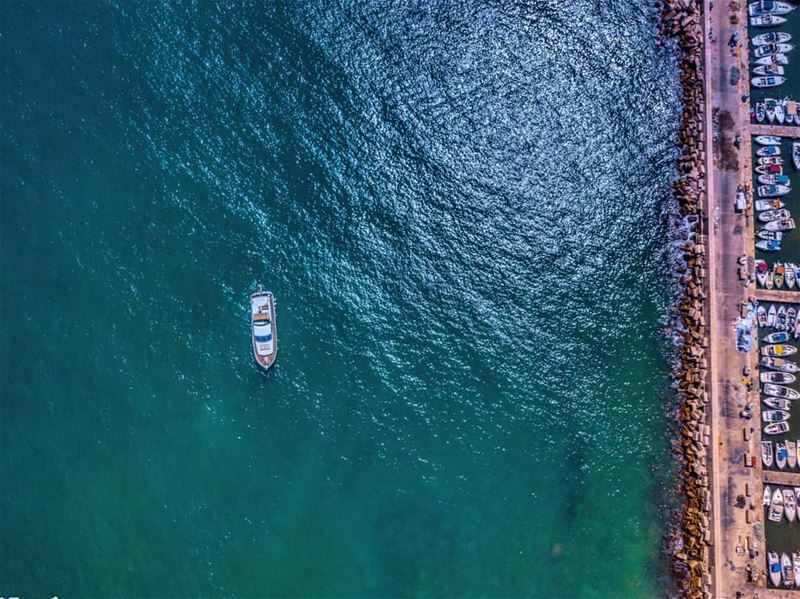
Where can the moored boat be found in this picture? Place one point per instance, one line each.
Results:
(776, 403)
(769, 151)
(770, 282)
(790, 278)
(780, 454)
(791, 459)
(780, 225)
(796, 155)
(769, 7)
(773, 37)
(773, 180)
(765, 160)
(776, 506)
(772, 191)
(767, 494)
(761, 109)
(772, 215)
(769, 169)
(780, 271)
(780, 391)
(777, 416)
(776, 428)
(789, 507)
(774, 568)
(787, 571)
(761, 316)
(770, 49)
(767, 140)
(767, 21)
(779, 364)
(766, 454)
(768, 246)
(796, 558)
(264, 333)
(777, 377)
(780, 318)
(761, 271)
(771, 315)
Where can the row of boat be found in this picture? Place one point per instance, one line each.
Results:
(782, 274)
(772, 110)
(768, 13)
(781, 503)
(784, 454)
(779, 318)
(770, 49)
(784, 570)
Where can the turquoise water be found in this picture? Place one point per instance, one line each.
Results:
(461, 210)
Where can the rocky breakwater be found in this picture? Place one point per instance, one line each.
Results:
(682, 21)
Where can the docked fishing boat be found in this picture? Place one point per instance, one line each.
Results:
(776, 428)
(772, 59)
(779, 364)
(776, 506)
(772, 191)
(773, 37)
(767, 21)
(776, 416)
(777, 403)
(791, 317)
(767, 140)
(769, 236)
(768, 246)
(797, 325)
(764, 160)
(789, 507)
(767, 495)
(780, 272)
(791, 449)
(761, 109)
(774, 568)
(761, 272)
(769, 7)
(769, 169)
(780, 453)
(769, 103)
(780, 108)
(768, 151)
(773, 180)
(777, 377)
(790, 278)
(766, 453)
(768, 69)
(796, 559)
(770, 49)
(781, 391)
(780, 225)
(761, 316)
(770, 281)
(796, 155)
(264, 333)
(772, 314)
(787, 571)
(771, 215)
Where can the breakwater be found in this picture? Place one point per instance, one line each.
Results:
(681, 20)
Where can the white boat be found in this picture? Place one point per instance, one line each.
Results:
(780, 225)
(770, 49)
(776, 160)
(776, 59)
(264, 332)
(791, 458)
(769, 7)
(767, 140)
(767, 151)
(767, 21)
(778, 337)
(761, 316)
(791, 317)
(776, 416)
(776, 506)
(773, 37)
(777, 377)
(780, 453)
(768, 246)
(773, 180)
(769, 235)
(765, 70)
(776, 428)
(780, 318)
(771, 314)
(789, 505)
(780, 108)
(770, 280)
(766, 454)
(769, 169)
(797, 325)
(767, 493)
(777, 403)
(774, 568)
(772, 191)
(761, 109)
(787, 571)
(780, 391)
(796, 558)
(771, 215)
(790, 278)
(796, 155)
(779, 364)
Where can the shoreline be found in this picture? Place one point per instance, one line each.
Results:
(681, 20)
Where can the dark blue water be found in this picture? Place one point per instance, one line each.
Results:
(460, 208)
